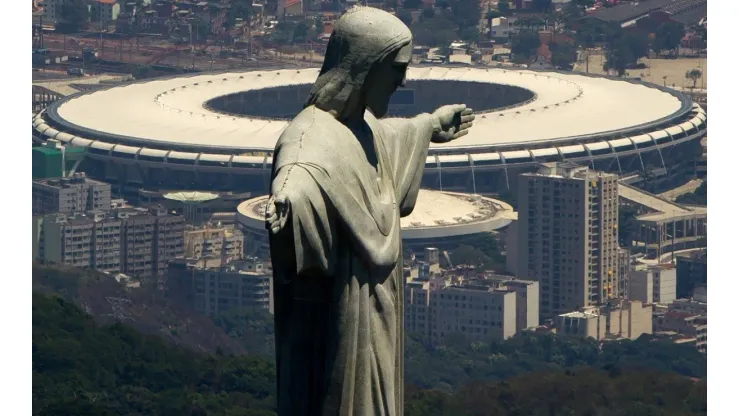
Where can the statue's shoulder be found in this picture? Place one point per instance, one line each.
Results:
(310, 121)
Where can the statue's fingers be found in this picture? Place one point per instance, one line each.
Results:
(467, 111)
(458, 108)
(460, 134)
(466, 126)
(275, 228)
(467, 119)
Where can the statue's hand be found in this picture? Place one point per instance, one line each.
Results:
(455, 121)
(277, 213)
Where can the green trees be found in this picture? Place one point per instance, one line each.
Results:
(564, 55)
(524, 45)
(411, 4)
(458, 19)
(405, 16)
(694, 75)
(668, 37)
(75, 16)
(503, 7)
(624, 51)
(80, 368)
(573, 392)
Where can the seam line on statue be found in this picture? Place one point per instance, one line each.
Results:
(300, 146)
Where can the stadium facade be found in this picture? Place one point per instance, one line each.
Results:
(216, 131)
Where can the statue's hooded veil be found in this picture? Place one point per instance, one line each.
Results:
(362, 37)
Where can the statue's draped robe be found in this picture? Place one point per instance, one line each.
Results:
(338, 264)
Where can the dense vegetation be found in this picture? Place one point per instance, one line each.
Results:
(461, 362)
(80, 368)
(581, 392)
(85, 365)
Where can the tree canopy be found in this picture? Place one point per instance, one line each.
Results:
(75, 16)
(668, 36)
(524, 44)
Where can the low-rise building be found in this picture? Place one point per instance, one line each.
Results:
(692, 327)
(481, 309)
(210, 242)
(617, 319)
(136, 241)
(500, 29)
(655, 284)
(104, 10)
(217, 288)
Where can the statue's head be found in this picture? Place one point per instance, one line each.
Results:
(366, 61)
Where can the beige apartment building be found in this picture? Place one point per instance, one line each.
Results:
(209, 242)
(137, 242)
(654, 284)
(70, 195)
(213, 290)
(481, 309)
(617, 319)
(568, 237)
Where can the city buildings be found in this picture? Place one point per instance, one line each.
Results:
(70, 195)
(215, 289)
(617, 319)
(480, 308)
(208, 242)
(567, 237)
(104, 10)
(691, 272)
(136, 241)
(683, 327)
(53, 9)
(654, 284)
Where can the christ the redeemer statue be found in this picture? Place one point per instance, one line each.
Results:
(342, 178)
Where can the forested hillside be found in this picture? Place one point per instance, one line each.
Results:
(83, 368)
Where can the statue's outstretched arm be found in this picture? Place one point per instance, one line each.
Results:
(455, 120)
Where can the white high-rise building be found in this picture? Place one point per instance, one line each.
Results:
(568, 237)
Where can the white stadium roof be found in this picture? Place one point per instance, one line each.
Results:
(437, 214)
(170, 112)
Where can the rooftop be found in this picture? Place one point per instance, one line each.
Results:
(433, 210)
(168, 113)
(631, 10)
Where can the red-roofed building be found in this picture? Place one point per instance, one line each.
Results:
(543, 58)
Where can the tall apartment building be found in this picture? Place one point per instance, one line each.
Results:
(617, 319)
(212, 290)
(568, 236)
(209, 242)
(487, 309)
(70, 195)
(137, 242)
(654, 284)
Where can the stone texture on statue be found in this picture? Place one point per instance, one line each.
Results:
(341, 180)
